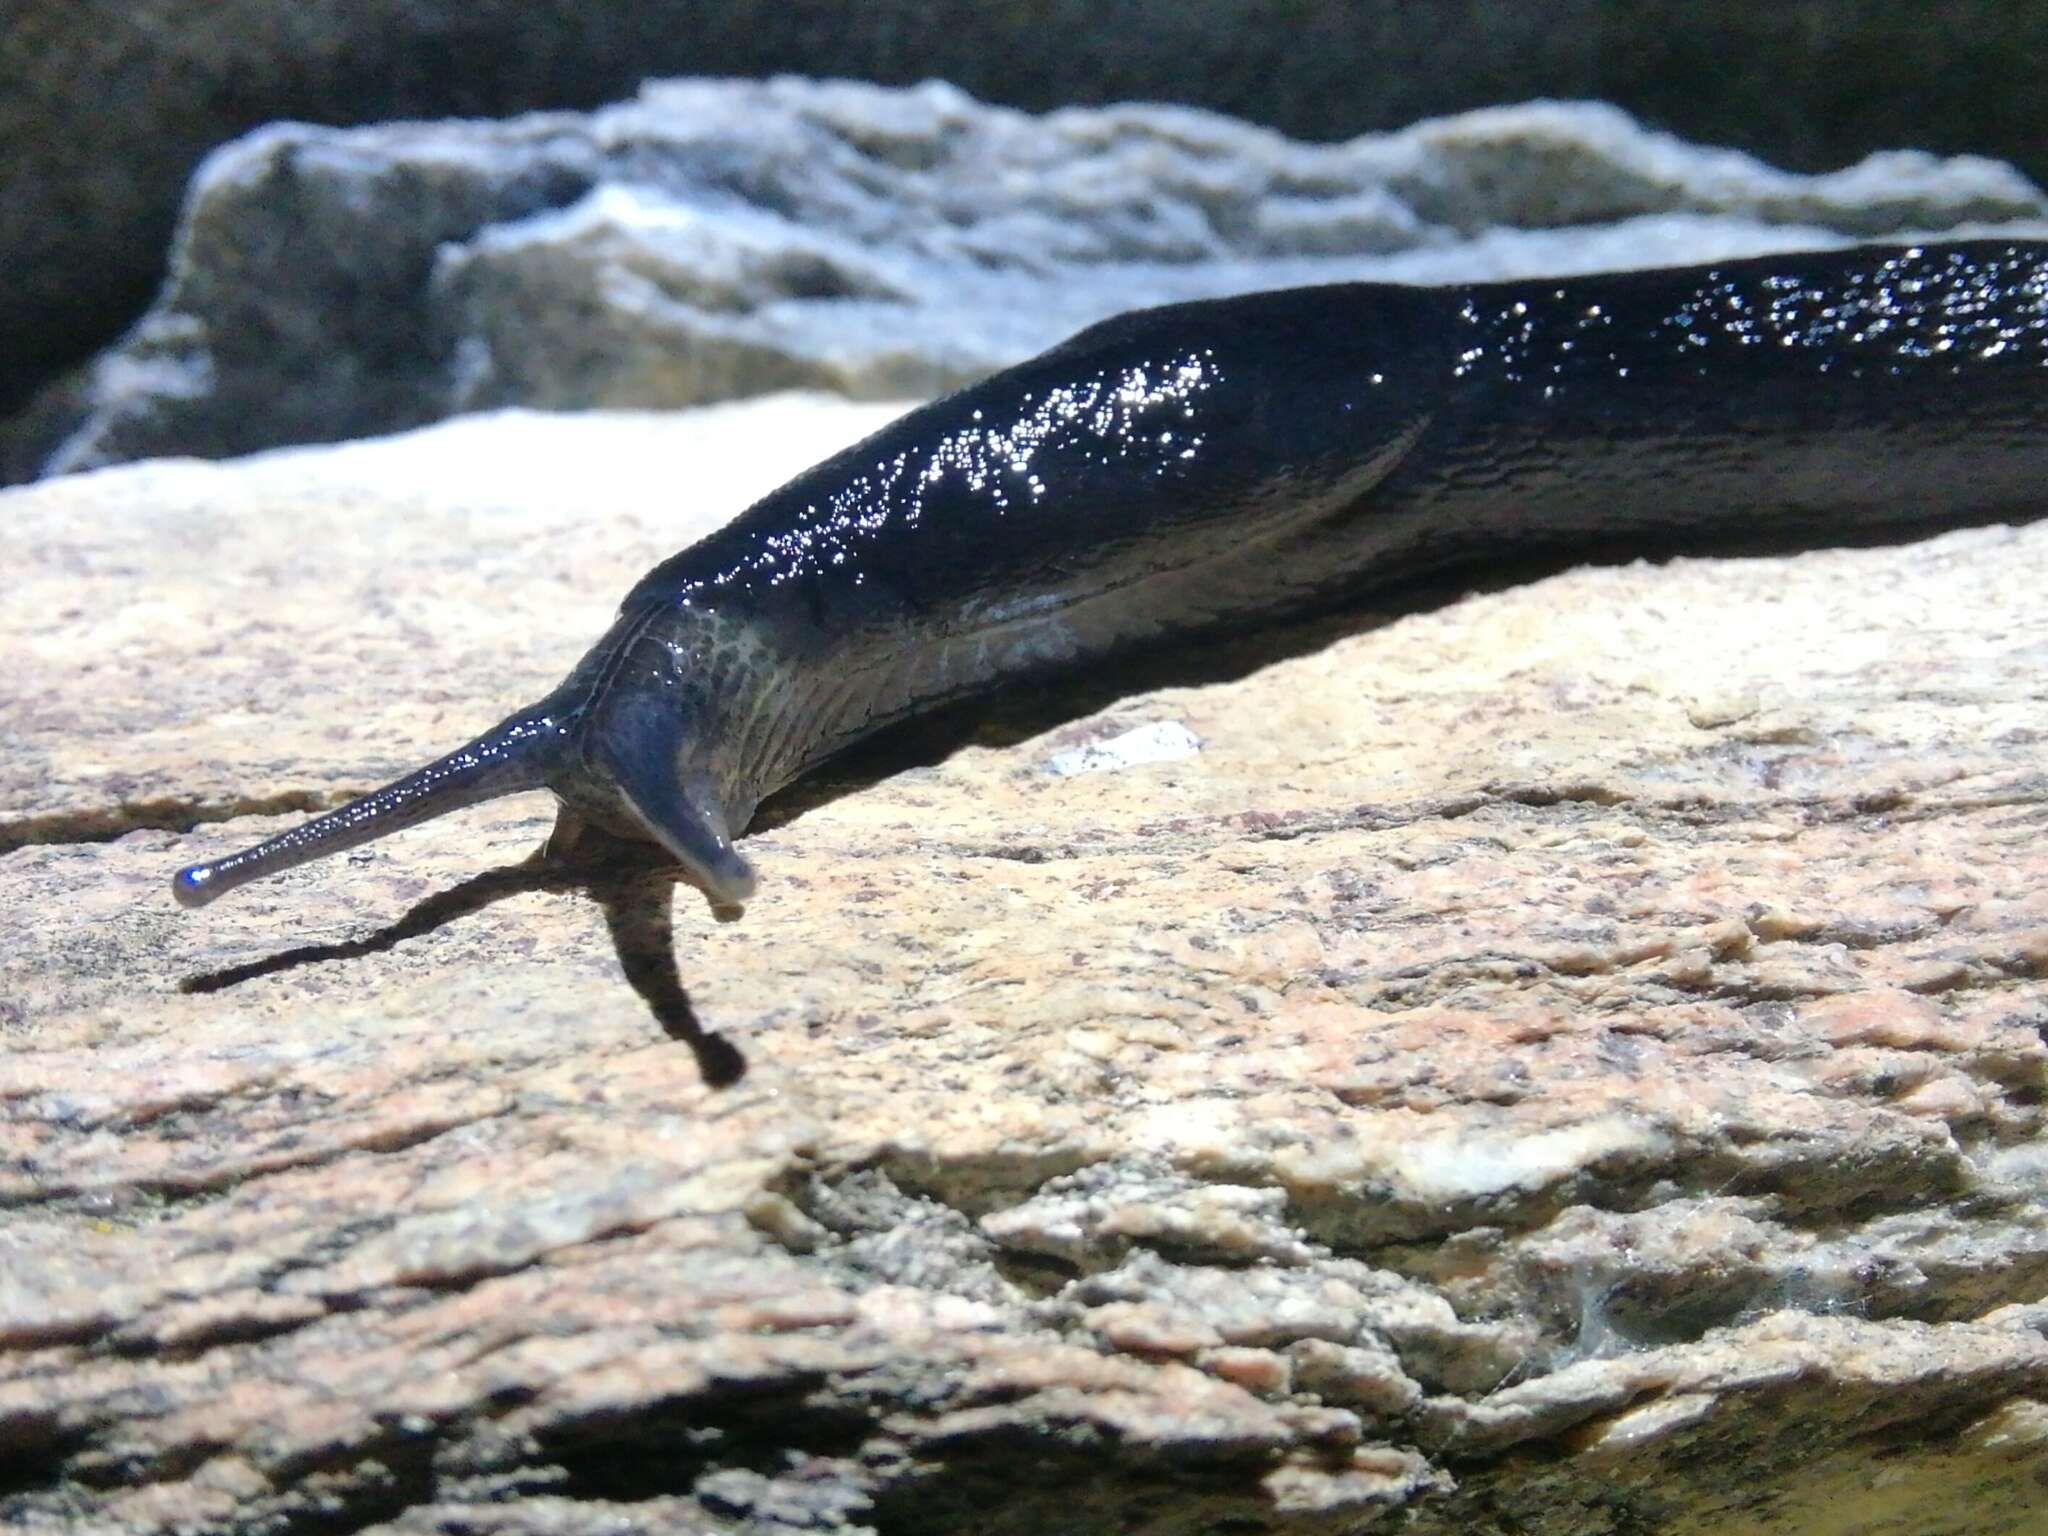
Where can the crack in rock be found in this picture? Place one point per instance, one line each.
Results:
(166, 814)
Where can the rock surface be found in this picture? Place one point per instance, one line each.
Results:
(1565, 1059)
(107, 105)
(715, 239)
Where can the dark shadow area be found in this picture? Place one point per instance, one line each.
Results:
(1021, 710)
(631, 884)
(1030, 707)
(800, 1439)
(472, 895)
(662, 1449)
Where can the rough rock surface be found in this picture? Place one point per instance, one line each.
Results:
(715, 239)
(106, 105)
(1564, 1059)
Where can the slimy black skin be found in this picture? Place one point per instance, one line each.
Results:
(1176, 470)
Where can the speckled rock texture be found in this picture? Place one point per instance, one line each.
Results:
(1566, 1058)
(712, 240)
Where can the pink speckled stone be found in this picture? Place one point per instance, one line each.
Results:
(1603, 1017)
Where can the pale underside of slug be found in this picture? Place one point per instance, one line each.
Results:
(1178, 469)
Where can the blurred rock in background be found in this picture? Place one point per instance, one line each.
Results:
(107, 105)
(717, 239)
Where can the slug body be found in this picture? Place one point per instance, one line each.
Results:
(1175, 470)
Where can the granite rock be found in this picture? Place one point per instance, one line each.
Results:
(1566, 1058)
(716, 239)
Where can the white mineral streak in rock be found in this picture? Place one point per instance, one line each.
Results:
(1466, 1167)
(714, 239)
(1162, 741)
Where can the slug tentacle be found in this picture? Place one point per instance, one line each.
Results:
(520, 753)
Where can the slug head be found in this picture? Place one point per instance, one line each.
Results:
(638, 775)
(638, 749)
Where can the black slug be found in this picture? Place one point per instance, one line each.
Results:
(1177, 469)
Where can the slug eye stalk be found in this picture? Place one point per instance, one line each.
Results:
(522, 752)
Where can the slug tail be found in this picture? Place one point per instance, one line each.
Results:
(520, 753)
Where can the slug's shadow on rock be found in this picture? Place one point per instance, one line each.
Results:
(1019, 710)
(631, 883)
(1022, 709)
